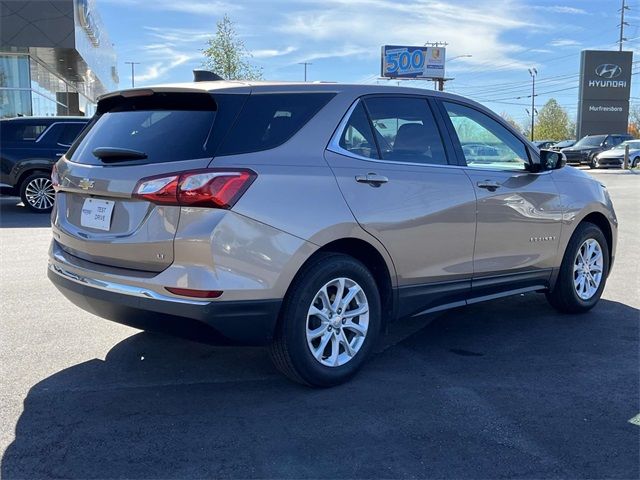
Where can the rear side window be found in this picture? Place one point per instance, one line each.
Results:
(406, 130)
(269, 120)
(357, 137)
(22, 132)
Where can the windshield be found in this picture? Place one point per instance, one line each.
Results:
(591, 141)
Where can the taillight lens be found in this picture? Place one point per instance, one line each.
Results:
(55, 178)
(213, 188)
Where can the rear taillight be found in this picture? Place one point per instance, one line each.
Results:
(55, 179)
(213, 188)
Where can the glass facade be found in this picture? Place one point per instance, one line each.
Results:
(29, 88)
(15, 91)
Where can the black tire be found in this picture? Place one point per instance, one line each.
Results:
(42, 205)
(564, 296)
(592, 163)
(635, 162)
(290, 352)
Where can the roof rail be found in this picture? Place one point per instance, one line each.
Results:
(200, 75)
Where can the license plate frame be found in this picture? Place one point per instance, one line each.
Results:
(96, 213)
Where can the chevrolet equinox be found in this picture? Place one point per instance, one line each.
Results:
(307, 216)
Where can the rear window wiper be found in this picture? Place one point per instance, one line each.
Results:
(114, 154)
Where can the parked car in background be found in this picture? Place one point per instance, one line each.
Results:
(28, 149)
(585, 150)
(562, 144)
(307, 216)
(543, 144)
(615, 156)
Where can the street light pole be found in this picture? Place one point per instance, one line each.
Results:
(533, 72)
(305, 68)
(133, 74)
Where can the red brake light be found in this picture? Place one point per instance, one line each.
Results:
(215, 188)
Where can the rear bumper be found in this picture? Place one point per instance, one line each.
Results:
(248, 322)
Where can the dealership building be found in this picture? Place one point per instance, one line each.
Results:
(55, 58)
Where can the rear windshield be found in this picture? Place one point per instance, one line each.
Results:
(268, 120)
(167, 128)
(182, 126)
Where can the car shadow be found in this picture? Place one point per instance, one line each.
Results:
(507, 388)
(13, 214)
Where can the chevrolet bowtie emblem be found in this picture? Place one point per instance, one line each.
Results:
(86, 184)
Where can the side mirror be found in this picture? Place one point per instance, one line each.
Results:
(552, 160)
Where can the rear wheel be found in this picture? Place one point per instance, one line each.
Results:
(37, 193)
(329, 323)
(583, 272)
(635, 162)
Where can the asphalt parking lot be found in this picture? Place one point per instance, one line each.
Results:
(507, 388)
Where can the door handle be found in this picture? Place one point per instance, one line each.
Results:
(489, 185)
(59, 154)
(372, 179)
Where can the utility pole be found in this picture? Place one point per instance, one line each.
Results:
(533, 72)
(133, 73)
(622, 24)
(305, 68)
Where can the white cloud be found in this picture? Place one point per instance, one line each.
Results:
(342, 28)
(196, 7)
(560, 9)
(270, 53)
(563, 42)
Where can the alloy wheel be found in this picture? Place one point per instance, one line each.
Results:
(588, 269)
(337, 322)
(40, 194)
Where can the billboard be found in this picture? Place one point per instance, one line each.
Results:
(605, 86)
(412, 62)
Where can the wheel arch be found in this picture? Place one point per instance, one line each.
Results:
(373, 259)
(600, 221)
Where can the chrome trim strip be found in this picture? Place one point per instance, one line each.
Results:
(120, 288)
(46, 130)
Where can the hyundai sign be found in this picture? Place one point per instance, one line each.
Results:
(605, 86)
(412, 62)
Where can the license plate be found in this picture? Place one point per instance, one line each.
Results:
(97, 214)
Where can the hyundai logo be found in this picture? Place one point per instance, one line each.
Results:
(608, 70)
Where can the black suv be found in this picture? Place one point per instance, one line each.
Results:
(29, 147)
(585, 150)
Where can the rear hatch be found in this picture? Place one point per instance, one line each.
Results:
(135, 135)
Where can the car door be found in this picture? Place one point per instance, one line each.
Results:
(392, 166)
(518, 212)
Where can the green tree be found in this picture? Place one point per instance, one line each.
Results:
(227, 56)
(553, 123)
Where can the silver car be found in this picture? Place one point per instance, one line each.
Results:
(308, 216)
(614, 157)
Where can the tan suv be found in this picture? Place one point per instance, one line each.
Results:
(307, 216)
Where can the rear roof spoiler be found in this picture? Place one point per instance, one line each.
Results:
(200, 75)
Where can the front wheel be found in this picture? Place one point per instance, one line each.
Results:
(593, 163)
(329, 323)
(37, 193)
(583, 272)
(635, 162)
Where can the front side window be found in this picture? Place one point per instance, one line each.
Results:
(70, 133)
(406, 130)
(485, 142)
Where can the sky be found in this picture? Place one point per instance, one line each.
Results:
(496, 41)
